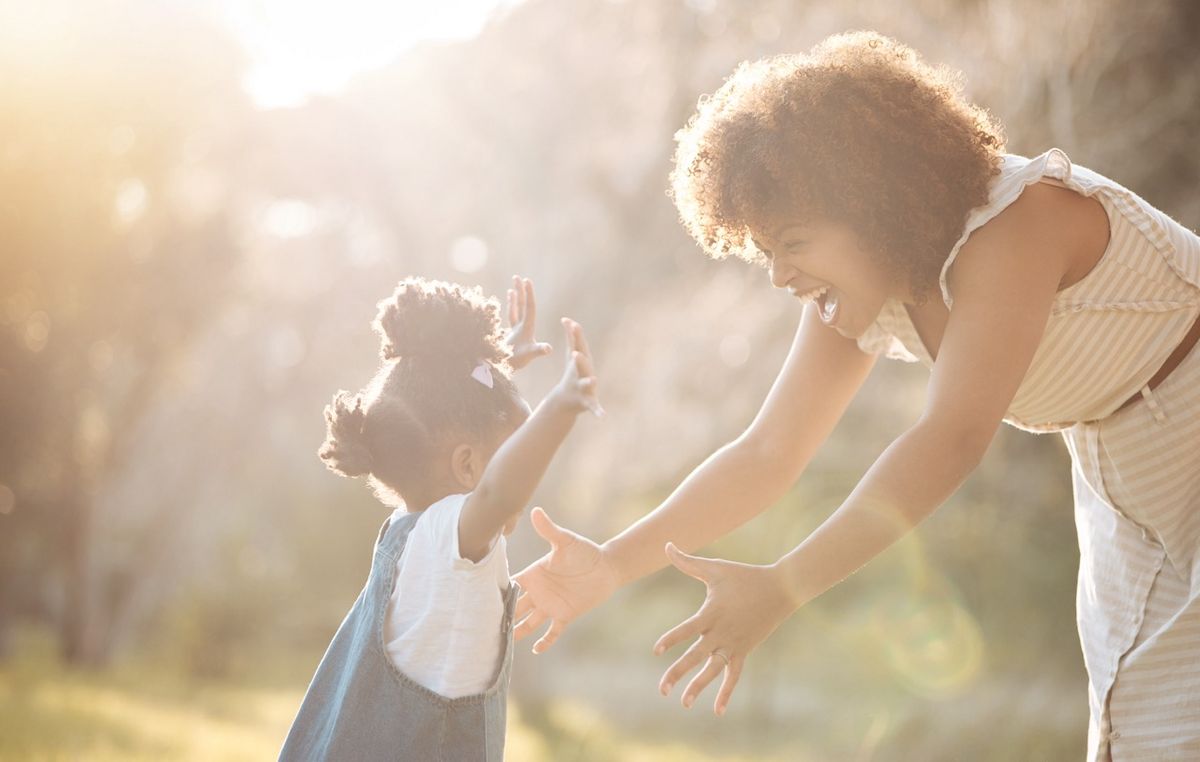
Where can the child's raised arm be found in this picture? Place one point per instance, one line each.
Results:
(508, 482)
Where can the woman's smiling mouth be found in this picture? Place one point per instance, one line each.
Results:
(828, 304)
(808, 296)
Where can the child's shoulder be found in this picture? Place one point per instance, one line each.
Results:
(439, 522)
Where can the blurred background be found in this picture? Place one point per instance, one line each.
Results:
(200, 204)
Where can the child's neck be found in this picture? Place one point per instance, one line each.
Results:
(419, 503)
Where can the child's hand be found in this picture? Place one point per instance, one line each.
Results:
(522, 314)
(578, 385)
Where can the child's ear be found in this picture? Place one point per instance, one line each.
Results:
(466, 465)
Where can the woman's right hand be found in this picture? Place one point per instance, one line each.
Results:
(574, 577)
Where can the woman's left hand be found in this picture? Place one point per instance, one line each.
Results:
(744, 605)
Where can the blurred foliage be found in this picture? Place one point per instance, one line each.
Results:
(184, 280)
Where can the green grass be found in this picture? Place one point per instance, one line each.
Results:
(137, 711)
(132, 712)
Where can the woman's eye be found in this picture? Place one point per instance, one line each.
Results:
(795, 247)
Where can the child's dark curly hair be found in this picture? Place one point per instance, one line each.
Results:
(860, 132)
(434, 335)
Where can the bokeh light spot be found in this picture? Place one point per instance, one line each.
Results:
(37, 331)
(468, 254)
(289, 218)
(130, 202)
(931, 642)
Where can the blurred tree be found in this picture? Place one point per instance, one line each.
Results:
(116, 249)
(157, 452)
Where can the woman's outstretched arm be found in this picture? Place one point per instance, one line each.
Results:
(822, 373)
(1004, 292)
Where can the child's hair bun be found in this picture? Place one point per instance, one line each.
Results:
(345, 449)
(439, 322)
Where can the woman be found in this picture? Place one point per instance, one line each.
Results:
(1038, 293)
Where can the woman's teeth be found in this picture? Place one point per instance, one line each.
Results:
(810, 296)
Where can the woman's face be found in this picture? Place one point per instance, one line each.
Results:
(822, 262)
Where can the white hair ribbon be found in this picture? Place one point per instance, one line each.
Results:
(483, 374)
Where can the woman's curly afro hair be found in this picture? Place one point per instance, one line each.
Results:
(860, 131)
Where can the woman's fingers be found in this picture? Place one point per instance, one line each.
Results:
(552, 533)
(683, 665)
(712, 668)
(547, 640)
(688, 628)
(732, 673)
(524, 605)
(525, 627)
(693, 566)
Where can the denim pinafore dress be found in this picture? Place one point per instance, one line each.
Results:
(360, 707)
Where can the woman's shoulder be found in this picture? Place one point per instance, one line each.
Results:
(1039, 207)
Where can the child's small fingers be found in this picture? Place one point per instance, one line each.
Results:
(583, 364)
(513, 317)
(572, 332)
(530, 299)
(581, 341)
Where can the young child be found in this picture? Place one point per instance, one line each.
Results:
(419, 668)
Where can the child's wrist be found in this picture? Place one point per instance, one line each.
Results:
(563, 402)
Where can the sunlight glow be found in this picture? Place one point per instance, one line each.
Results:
(130, 202)
(301, 48)
(289, 218)
(469, 254)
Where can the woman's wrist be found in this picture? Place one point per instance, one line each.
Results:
(790, 582)
(619, 568)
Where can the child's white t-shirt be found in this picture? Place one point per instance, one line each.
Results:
(443, 621)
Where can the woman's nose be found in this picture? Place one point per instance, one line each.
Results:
(781, 273)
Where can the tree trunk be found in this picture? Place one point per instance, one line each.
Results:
(81, 639)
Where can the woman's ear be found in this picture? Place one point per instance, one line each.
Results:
(466, 465)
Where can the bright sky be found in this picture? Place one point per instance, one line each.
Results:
(299, 48)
